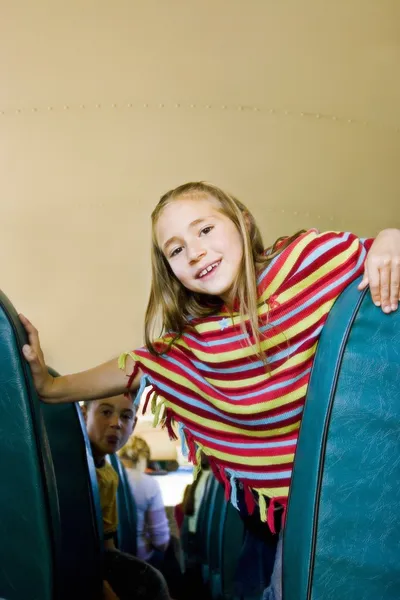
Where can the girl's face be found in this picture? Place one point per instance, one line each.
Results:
(202, 246)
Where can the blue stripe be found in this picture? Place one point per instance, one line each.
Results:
(343, 280)
(213, 411)
(256, 445)
(234, 338)
(262, 476)
(328, 245)
(199, 378)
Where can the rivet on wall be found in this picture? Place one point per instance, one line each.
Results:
(272, 111)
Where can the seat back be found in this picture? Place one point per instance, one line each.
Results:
(127, 512)
(205, 533)
(214, 541)
(231, 542)
(343, 524)
(81, 524)
(29, 515)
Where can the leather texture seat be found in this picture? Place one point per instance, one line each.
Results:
(80, 554)
(29, 512)
(342, 536)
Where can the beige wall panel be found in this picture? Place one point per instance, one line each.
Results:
(293, 106)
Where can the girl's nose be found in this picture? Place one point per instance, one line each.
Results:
(195, 254)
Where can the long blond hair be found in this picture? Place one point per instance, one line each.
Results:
(171, 306)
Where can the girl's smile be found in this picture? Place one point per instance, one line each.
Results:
(201, 244)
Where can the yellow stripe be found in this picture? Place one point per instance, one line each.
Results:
(216, 426)
(288, 265)
(273, 492)
(330, 266)
(255, 461)
(228, 405)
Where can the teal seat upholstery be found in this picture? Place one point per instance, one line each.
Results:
(127, 513)
(205, 534)
(29, 512)
(230, 545)
(214, 542)
(342, 536)
(194, 544)
(79, 567)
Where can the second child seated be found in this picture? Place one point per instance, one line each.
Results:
(153, 534)
(109, 424)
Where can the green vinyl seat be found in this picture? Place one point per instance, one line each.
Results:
(30, 538)
(342, 534)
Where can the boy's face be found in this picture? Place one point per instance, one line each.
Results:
(109, 424)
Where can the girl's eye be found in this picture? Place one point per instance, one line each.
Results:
(106, 413)
(127, 417)
(176, 252)
(206, 230)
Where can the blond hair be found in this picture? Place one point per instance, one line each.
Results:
(135, 449)
(171, 306)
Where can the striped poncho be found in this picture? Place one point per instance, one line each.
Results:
(244, 416)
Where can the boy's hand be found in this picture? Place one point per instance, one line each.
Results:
(108, 592)
(382, 270)
(34, 355)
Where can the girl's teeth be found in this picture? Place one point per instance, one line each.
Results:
(208, 269)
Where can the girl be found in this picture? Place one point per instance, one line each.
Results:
(239, 330)
(153, 535)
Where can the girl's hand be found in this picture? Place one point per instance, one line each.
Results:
(382, 270)
(33, 353)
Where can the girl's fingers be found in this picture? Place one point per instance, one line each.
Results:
(374, 283)
(395, 285)
(385, 273)
(364, 282)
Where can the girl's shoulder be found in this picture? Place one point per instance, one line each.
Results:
(310, 255)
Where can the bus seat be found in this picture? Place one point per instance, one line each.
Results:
(192, 543)
(230, 545)
(30, 520)
(127, 513)
(214, 542)
(81, 522)
(343, 524)
(205, 533)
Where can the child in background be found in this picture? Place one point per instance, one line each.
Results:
(109, 424)
(240, 327)
(152, 523)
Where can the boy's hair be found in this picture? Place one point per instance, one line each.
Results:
(88, 403)
(134, 449)
(171, 305)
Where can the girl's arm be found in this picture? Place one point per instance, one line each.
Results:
(382, 270)
(103, 381)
